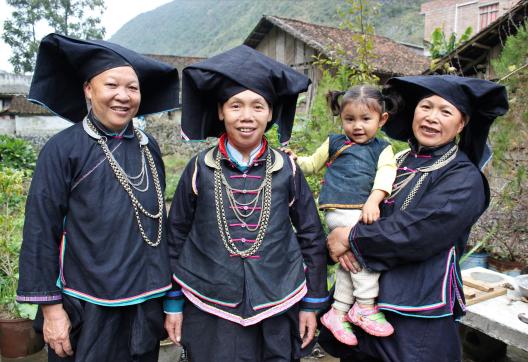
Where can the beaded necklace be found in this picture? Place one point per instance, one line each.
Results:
(265, 207)
(124, 180)
(406, 177)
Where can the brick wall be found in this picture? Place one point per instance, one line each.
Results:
(456, 15)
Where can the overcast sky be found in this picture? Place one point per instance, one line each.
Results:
(117, 13)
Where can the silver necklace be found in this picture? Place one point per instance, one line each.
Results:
(406, 177)
(124, 181)
(265, 208)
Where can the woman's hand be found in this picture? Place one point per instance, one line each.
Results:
(56, 329)
(307, 326)
(349, 262)
(337, 242)
(339, 249)
(289, 152)
(173, 326)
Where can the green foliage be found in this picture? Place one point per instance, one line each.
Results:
(16, 153)
(441, 45)
(514, 54)
(508, 211)
(76, 18)
(19, 33)
(207, 27)
(174, 166)
(13, 193)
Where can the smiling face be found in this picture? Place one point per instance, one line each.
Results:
(436, 122)
(360, 122)
(245, 116)
(114, 95)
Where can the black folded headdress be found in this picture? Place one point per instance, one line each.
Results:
(481, 100)
(213, 81)
(64, 64)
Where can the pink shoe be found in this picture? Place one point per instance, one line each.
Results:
(339, 327)
(371, 320)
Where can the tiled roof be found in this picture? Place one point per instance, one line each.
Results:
(21, 106)
(392, 58)
(11, 84)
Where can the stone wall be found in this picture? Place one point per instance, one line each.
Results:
(166, 129)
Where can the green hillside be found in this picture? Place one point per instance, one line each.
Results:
(206, 27)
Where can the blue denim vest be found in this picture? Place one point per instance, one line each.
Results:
(349, 178)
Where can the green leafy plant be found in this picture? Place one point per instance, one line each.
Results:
(16, 153)
(13, 193)
(514, 55)
(441, 45)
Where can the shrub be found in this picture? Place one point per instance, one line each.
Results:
(514, 54)
(13, 193)
(16, 153)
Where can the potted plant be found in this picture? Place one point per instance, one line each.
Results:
(17, 337)
(476, 254)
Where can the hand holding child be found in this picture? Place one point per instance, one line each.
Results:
(289, 152)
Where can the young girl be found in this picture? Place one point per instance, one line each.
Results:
(246, 245)
(360, 172)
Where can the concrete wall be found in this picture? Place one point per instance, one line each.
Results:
(457, 15)
(164, 127)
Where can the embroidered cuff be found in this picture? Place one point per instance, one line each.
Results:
(311, 304)
(174, 294)
(353, 247)
(171, 306)
(34, 298)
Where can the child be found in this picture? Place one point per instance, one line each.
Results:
(360, 172)
(246, 245)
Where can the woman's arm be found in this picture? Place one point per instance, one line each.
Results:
(179, 223)
(46, 207)
(444, 214)
(310, 234)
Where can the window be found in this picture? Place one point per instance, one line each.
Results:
(488, 14)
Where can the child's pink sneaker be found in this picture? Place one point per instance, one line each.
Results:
(371, 320)
(339, 327)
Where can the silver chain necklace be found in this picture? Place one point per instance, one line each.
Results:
(123, 179)
(265, 204)
(407, 177)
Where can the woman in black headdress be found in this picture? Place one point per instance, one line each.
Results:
(246, 244)
(438, 195)
(94, 254)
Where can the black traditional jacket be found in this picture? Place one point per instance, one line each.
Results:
(417, 249)
(288, 267)
(81, 236)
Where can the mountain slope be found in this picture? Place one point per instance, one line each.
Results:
(206, 27)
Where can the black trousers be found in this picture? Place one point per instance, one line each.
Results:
(208, 338)
(99, 334)
(414, 340)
